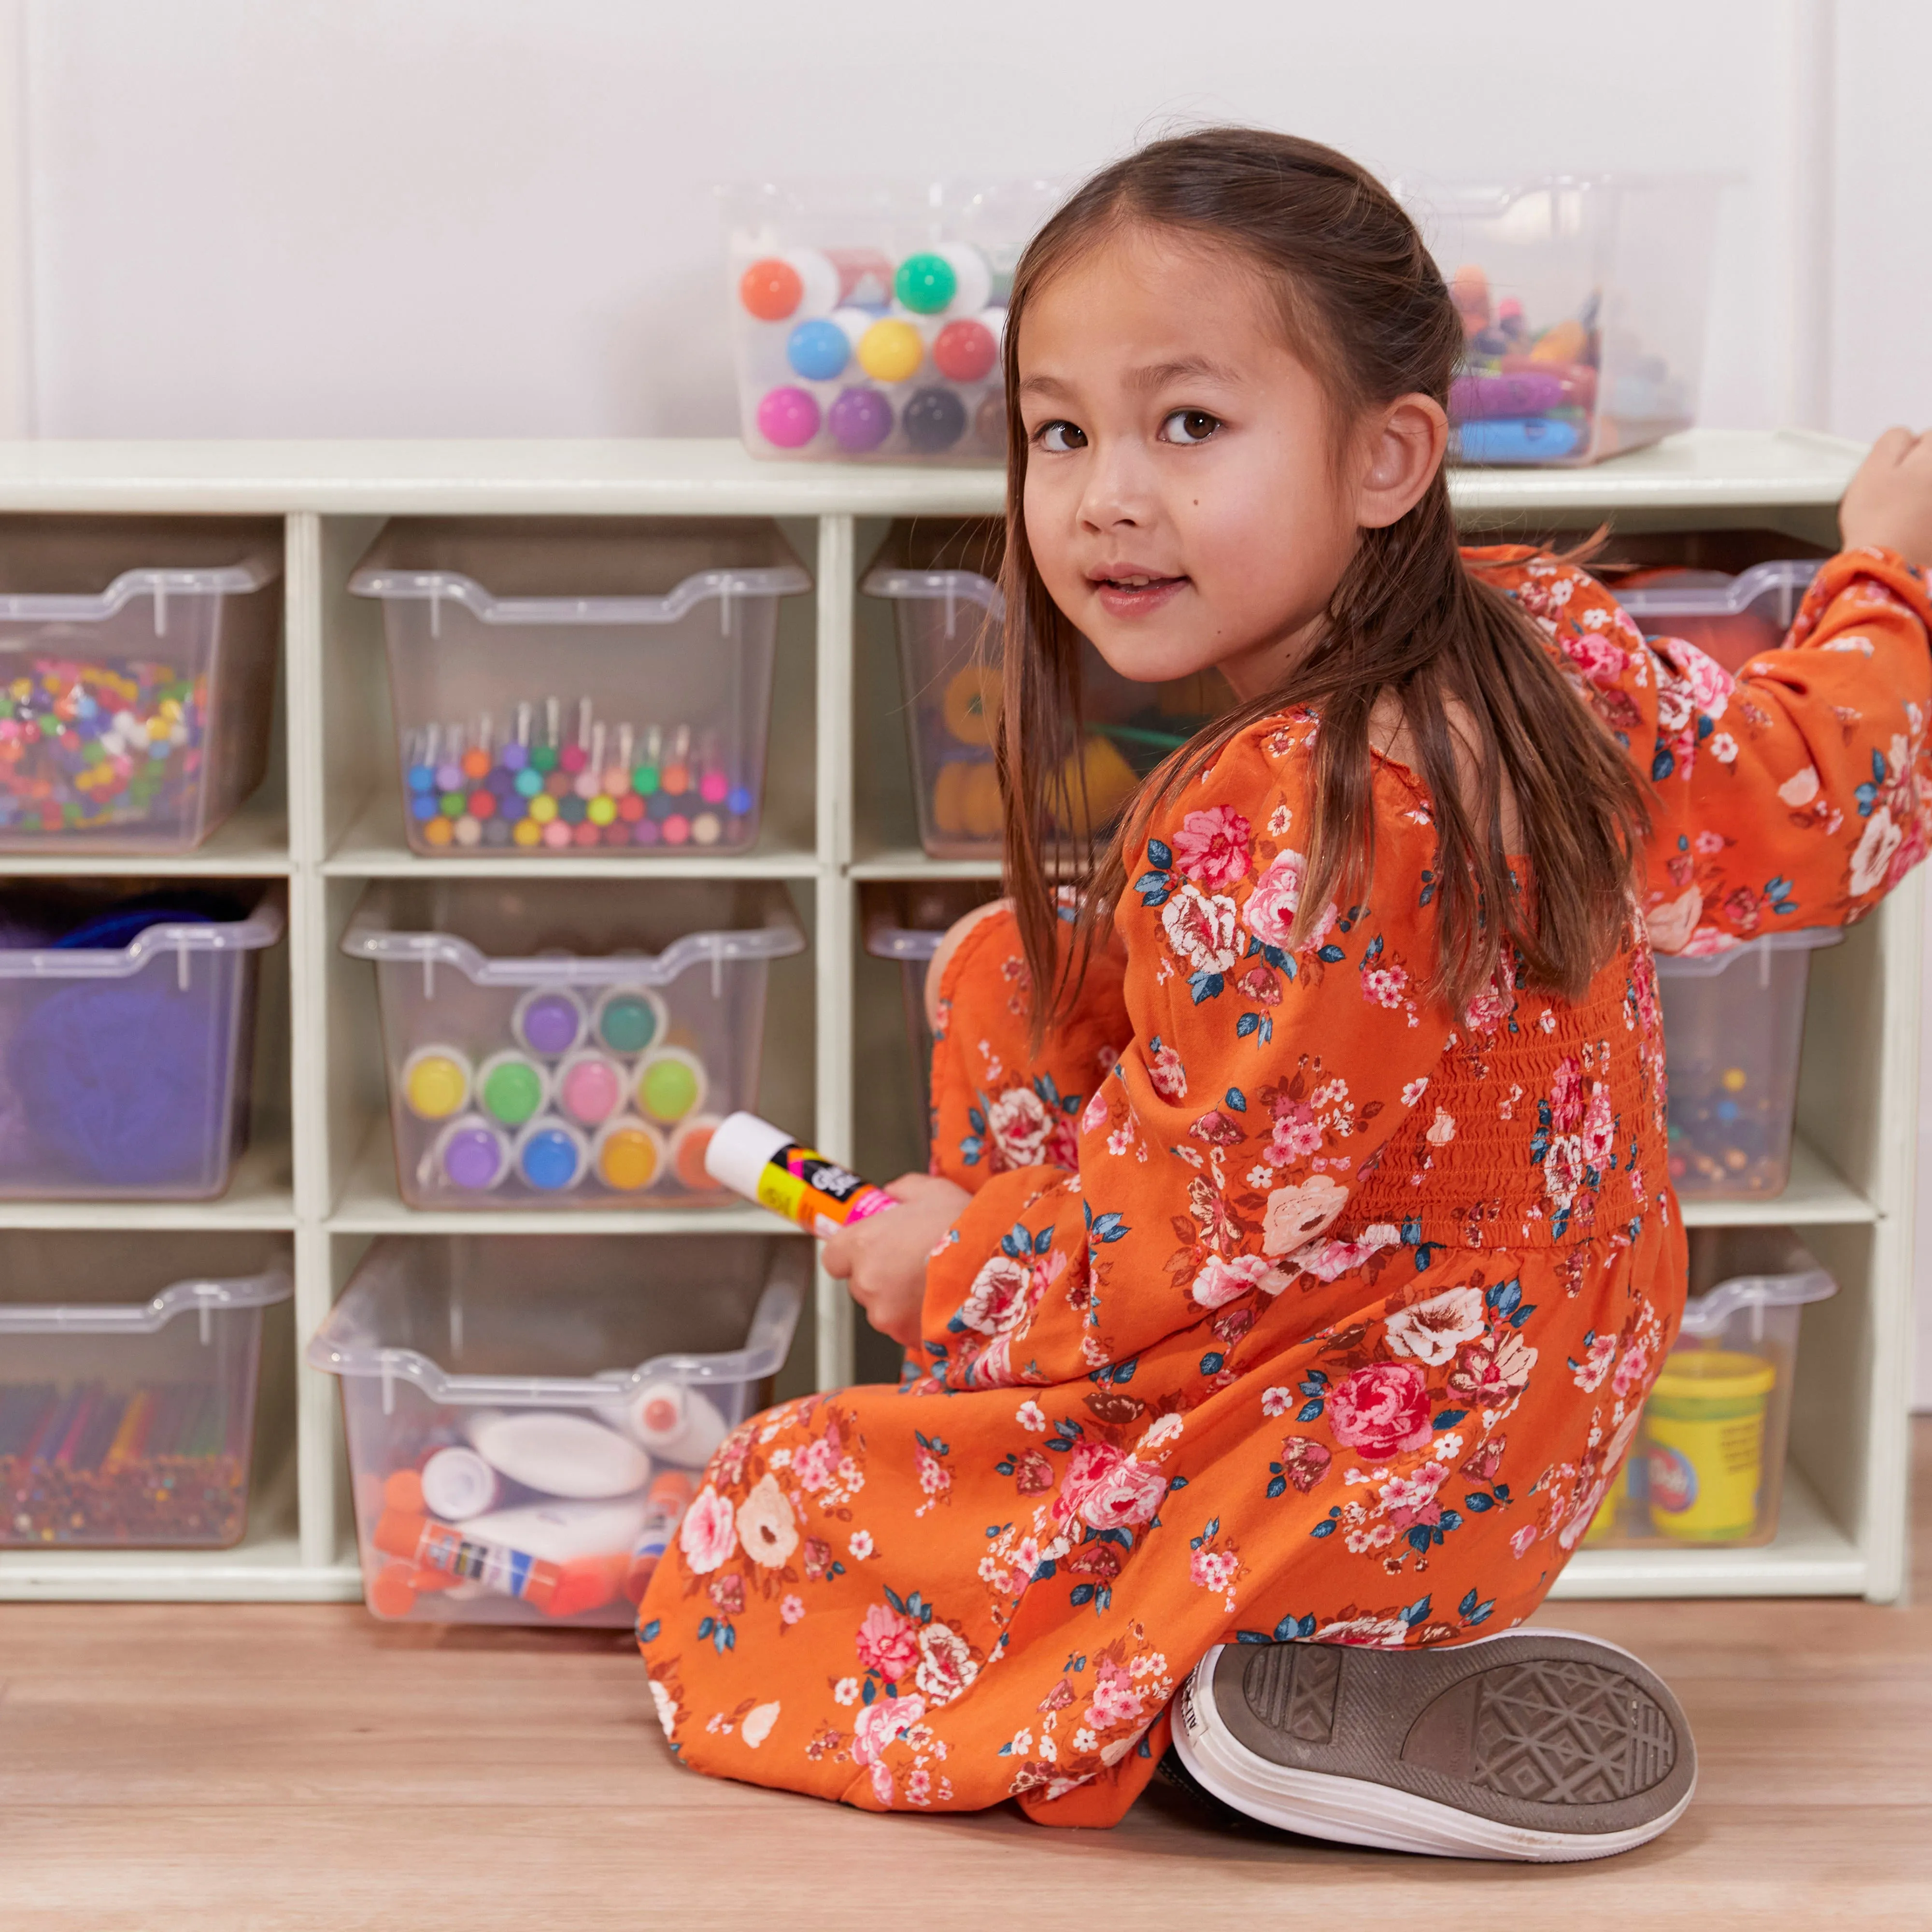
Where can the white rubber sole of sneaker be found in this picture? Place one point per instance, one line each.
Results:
(1359, 1811)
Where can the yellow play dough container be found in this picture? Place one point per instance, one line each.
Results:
(1604, 1524)
(1703, 1433)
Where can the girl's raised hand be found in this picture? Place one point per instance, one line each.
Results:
(1889, 501)
(883, 1257)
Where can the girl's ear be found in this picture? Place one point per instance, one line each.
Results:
(1403, 447)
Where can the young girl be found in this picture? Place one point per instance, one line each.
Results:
(1301, 1244)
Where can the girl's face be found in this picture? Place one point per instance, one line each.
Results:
(1185, 503)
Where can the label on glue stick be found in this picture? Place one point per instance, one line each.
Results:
(756, 1158)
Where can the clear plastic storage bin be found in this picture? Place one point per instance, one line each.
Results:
(869, 321)
(904, 923)
(128, 1364)
(127, 1038)
(137, 678)
(567, 684)
(550, 1045)
(1733, 1023)
(1728, 618)
(941, 575)
(528, 1416)
(1582, 300)
(1707, 1464)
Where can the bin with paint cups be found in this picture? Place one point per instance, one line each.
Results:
(1582, 301)
(903, 921)
(127, 1036)
(1707, 1465)
(565, 685)
(941, 576)
(528, 1416)
(551, 1047)
(1733, 1025)
(1730, 617)
(868, 322)
(129, 1364)
(137, 678)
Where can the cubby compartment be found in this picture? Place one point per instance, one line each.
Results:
(528, 1416)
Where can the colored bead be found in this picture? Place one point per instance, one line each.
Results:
(889, 351)
(788, 417)
(926, 283)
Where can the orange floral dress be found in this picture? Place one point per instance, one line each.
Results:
(1290, 1303)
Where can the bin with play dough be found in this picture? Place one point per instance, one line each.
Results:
(1733, 1025)
(904, 923)
(127, 1035)
(868, 322)
(137, 678)
(529, 1415)
(1707, 1465)
(128, 1368)
(552, 1047)
(941, 575)
(1582, 300)
(1728, 618)
(565, 685)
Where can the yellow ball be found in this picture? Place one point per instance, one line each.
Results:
(527, 832)
(889, 352)
(543, 808)
(601, 810)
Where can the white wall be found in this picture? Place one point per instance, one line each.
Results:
(339, 218)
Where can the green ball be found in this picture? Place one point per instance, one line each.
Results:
(926, 283)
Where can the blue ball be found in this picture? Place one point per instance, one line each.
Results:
(740, 802)
(424, 805)
(818, 350)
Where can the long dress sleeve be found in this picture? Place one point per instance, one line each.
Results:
(1795, 794)
(1254, 1086)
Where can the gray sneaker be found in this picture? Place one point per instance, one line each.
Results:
(1534, 1744)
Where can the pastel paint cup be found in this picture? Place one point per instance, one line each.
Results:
(671, 1084)
(472, 1155)
(629, 1156)
(436, 1081)
(629, 1020)
(788, 417)
(590, 1088)
(688, 1146)
(1703, 1432)
(512, 1088)
(549, 1020)
(859, 420)
(550, 1156)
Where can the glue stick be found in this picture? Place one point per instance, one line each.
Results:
(764, 1163)
(671, 1496)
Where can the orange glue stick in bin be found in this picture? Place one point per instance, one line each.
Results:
(764, 1163)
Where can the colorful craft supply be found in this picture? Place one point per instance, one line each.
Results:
(671, 1494)
(671, 1084)
(512, 1087)
(557, 1452)
(551, 1156)
(549, 1021)
(628, 1155)
(935, 419)
(590, 1088)
(889, 351)
(628, 1019)
(472, 1154)
(688, 1147)
(436, 1082)
(1522, 396)
(859, 420)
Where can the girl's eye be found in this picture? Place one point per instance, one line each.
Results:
(1061, 438)
(1186, 426)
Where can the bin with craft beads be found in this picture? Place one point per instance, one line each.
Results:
(1582, 301)
(1733, 1023)
(528, 1416)
(563, 684)
(904, 922)
(549, 1046)
(127, 1036)
(137, 678)
(1728, 618)
(128, 1366)
(1706, 1465)
(941, 576)
(869, 322)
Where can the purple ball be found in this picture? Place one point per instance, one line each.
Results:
(860, 420)
(788, 417)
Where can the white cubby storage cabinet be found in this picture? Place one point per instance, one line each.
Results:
(837, 1065)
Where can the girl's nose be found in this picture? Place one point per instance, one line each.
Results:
(1117, 495)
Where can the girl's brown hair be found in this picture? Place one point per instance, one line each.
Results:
(1364, 306)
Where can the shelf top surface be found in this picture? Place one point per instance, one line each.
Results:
(717, 475)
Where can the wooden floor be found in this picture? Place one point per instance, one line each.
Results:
(215, 1767)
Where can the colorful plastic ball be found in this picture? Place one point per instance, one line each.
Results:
(989, 422)
(859, 420)
(926, 283)
(935, 419)
(889, 352)
(788, 417)
(818, 350)
(965, 351)
(771, 289)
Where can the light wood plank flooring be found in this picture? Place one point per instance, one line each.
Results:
(214, 1767)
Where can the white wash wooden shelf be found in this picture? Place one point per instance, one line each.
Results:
(839, 814)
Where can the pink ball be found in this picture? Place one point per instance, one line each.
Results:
(714, 787)
(788, 417)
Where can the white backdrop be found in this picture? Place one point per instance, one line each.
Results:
(459, 217)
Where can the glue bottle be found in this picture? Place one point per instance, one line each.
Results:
(764, 1163)
(671, 1496)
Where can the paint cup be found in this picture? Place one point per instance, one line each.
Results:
(671, 1085)
(688, 1146)
(472, 1153)
(436, 1083)
(1704, 1444)
(628, 1155)
(512, 1087)
(629, 1020)
(551, 1156)
(590, 1088)
(549, 1020)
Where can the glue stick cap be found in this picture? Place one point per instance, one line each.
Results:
(740, 1151)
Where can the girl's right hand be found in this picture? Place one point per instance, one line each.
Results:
(1889, 501)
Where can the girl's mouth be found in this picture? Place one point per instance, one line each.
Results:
(1134, 594)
